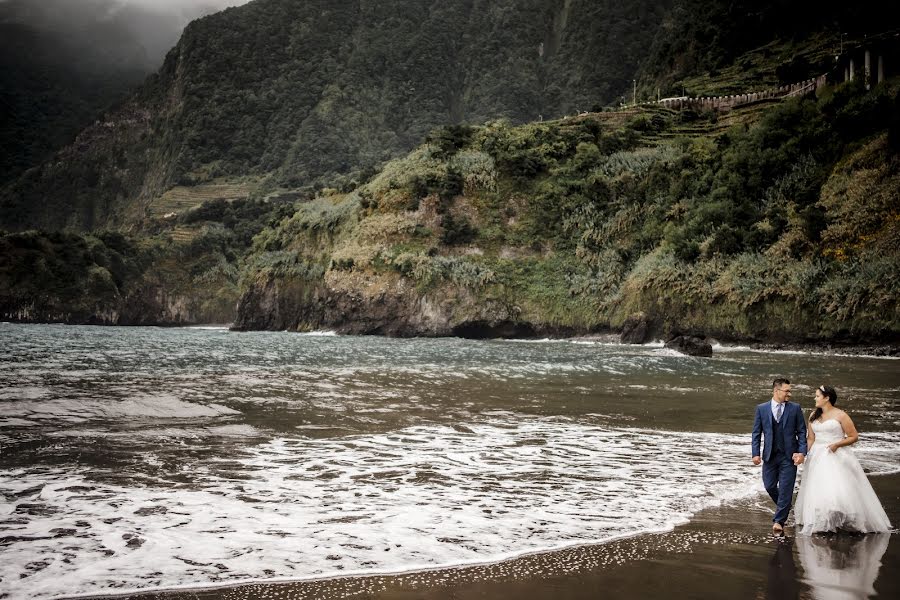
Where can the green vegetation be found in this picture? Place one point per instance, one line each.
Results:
(786, 228)
(57, 276)
(107, 277)
(261, 164)
(321, 93)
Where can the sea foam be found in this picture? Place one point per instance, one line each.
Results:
(418, 497)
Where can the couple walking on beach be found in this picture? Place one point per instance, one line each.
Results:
(835, 495)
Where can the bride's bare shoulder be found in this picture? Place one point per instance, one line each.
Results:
(840, 415)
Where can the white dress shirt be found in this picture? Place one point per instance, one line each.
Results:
(774, 404)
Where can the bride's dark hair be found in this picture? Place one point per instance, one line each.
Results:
(830, 393)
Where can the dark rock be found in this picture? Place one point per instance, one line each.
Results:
(41, 510)
(145, 304)
(690, 345)
(365, 304)
(285, 304)
(151, 510)
(636, 329)
(480, 330)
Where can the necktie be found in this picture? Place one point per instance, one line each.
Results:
(778, 411)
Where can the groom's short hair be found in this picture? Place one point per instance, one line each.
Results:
(780, 382)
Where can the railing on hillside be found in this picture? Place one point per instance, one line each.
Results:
(723, 103)
(862, 58)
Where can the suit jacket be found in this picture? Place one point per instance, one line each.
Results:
(793, 428)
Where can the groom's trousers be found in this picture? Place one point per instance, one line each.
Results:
(779, 474)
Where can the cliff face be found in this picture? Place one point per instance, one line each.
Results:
(63, 64)
(313, 92)
(144, 306)
(373, 304)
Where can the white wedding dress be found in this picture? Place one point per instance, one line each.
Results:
(835, 494)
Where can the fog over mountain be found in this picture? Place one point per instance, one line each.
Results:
(109, 27)
(62, 62)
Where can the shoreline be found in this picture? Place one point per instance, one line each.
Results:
(723, 552)
(889, 350)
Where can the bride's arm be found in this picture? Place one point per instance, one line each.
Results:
(810, 436)
(851, 436)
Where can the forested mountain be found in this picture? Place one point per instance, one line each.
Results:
(63, 63)
(48, 95)
(772, 223)
(309, 92)
(259, 168)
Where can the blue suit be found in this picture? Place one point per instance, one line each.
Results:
(782, 440)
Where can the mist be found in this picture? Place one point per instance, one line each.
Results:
(134, 32)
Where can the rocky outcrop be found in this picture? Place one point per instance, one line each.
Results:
(374, 304)
(281, 304)
(144, 306)
(690, 345)
(636, 329)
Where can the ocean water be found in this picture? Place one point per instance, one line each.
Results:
(145, 458)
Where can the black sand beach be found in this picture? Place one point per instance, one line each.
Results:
(725, 552)
(242, 464)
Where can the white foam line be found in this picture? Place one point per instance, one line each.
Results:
(531, 340)
(659, 344)
(892, 471)
(415, 569)
(581, 342)
(837, 352)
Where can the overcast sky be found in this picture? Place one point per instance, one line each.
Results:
(187, 7)
(177, 4)
(172, 6)
(155, 24)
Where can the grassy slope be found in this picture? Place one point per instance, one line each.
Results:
(783, 227)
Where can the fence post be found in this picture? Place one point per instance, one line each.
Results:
(868, 69)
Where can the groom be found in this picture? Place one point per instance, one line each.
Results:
(782, 423)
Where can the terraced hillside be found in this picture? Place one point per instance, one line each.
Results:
(180, 199)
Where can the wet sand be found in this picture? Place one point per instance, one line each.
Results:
(725, 552)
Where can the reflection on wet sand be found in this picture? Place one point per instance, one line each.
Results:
(782, 583)
(842, 567)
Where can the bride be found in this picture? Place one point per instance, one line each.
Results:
(835, 494)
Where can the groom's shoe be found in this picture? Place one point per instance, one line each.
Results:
(777, 528)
